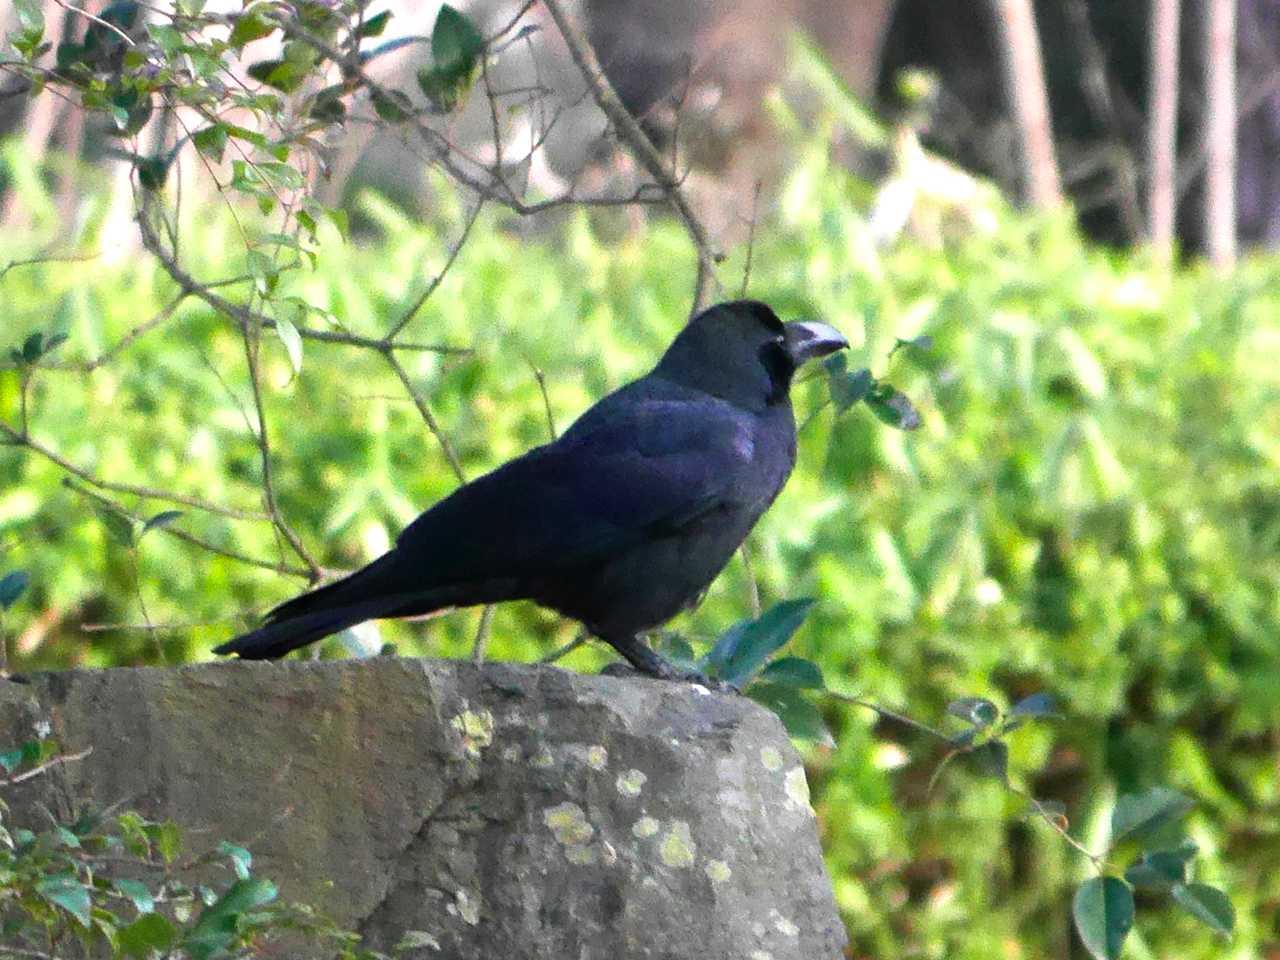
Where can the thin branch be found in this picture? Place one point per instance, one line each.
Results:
(179, 534)
(753, 588)
(482, 633)
(262, 436)
(146, 493)
(439, 277)
(751, 239)
(31, 261)
(888, 714)
(556, 654)
(541, 378)
(46, 767)
(645, 152)
(427, 416)
(98, 20)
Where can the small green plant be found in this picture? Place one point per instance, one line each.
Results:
(1156, 860)
(114, 883)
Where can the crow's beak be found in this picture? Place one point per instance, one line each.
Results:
(806, 340)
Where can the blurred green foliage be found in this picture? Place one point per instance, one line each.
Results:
(1089, 508)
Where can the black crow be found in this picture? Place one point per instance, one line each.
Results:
(621, 522)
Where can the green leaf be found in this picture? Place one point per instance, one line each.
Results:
(374, 26)
(456, 47)
(26, 39)
(162, 519)
(66, 891)
(241, 859)
(215, 929)
(327, 105)
(891, 406)
(455, 42)
(283, 75)
(392, 106)
(975, 710)
(33, 347)
(254, 24)
(152, 171)
(137, 892)
(167, 838)
(211, 141)
(151, 932)
(847, 388)
(1103, 912)
(1160, 870)
(1138, 815)
(12, 586)
(120, 527)
(1035, 706)
(800, 717)
(676, 649)
(1207, 904)
(745, 646)
(292, 341)
(340, 220)
(794, 672)
(282, 174)
(991, 759)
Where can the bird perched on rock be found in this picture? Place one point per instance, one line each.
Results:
(621, 522)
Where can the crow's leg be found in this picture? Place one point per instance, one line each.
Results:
(641, 656)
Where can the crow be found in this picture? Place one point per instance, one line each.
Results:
(621, 522)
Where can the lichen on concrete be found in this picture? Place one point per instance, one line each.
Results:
(677, 848)
(631, 782)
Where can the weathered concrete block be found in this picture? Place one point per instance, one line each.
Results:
(507, 811)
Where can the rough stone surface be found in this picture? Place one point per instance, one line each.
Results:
(507, 811)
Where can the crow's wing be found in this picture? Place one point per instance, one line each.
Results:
(645, 470)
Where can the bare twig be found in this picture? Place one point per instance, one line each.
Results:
(556, 654)
(751, 240)
(180, 534)
(482, 633)
(541, 378)
(753, 588)
(439, 277)
(46, 767)
(428, 417)
(262, 437)
(146, 493)
(643, 149)
(32, 261)
(98, 20)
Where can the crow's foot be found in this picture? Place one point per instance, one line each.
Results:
(643, 660)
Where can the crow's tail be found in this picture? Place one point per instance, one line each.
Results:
(377, 590)
(277, 637)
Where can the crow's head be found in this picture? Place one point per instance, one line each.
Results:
(741, 352)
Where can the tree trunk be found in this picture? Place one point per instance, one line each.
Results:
(1162, 130)
(1220, 175)
(1025, 92)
